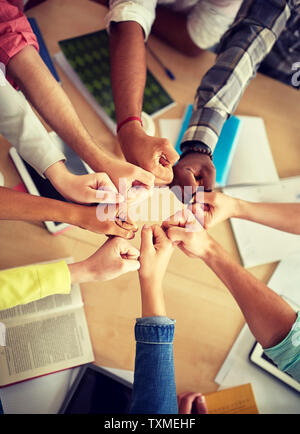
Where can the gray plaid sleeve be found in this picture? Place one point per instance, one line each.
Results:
(257, 27)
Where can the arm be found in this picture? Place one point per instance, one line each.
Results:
(48, 97)
(154, 389)
(269, 317)
(21, 127)
(128, 75)
(22, 206)
(26, 284)
(219, 207)
(246, 44)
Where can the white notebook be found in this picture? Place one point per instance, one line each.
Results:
(259, 244)
(252, 160)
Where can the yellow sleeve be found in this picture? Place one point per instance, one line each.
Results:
(25, 284)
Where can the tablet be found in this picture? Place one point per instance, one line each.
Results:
(39, 186)
(259, 358)
(97, 391)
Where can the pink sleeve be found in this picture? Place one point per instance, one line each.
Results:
(15, 30)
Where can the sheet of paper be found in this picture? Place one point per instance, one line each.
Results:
(234, 400)
(169, 129)
(252, 161)
(2, 334)
(259, 244)
(286, 279)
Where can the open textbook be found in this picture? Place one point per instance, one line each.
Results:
(259, 244)
(43, 337)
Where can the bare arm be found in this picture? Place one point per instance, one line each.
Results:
(219, 207)
(128, 76)
(128, 68)
(282, 216)
(22, 206)
(49, 99)
(269, 317)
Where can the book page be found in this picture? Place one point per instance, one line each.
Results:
(44, 306)
(40, 346)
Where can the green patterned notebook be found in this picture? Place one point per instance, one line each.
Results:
(85, 59)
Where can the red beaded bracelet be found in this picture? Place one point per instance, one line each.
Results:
(130, 118)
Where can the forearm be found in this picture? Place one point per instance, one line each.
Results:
(27, 207)
(128, 68)
(282, 216)
(269, 317)
(54, 106)
(152, 297)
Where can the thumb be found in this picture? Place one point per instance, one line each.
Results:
(146, 239)
(144, 177)
(130, 265)
(106, 196)
(177, 235)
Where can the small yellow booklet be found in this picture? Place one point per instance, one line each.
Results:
(236, 400)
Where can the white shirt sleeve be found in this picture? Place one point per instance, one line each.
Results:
(140, 11)
(210, 19)
(21, 127)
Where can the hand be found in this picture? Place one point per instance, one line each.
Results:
(104, 219)
(194, 170)
(131, 181)
(184, 230)
(114, 258)
(91, 188)
(217, 207)
(191, 403)
(154, 154)
(156, 250)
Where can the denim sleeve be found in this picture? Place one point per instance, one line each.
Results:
(286, 354)
(154, 388)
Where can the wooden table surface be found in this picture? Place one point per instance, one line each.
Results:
(208, 319)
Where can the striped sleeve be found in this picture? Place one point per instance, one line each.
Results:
(252, 36)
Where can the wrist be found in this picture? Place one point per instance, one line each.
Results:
(149, 285)
(129, 130)
(241, 208)
(209, 250)
(79, 272)
(56, 172)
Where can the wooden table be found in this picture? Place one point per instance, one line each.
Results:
(208, 320)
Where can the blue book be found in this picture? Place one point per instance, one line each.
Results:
(224, 150)
(44, 53)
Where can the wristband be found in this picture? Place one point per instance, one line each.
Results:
(199, 147)
(130, 118)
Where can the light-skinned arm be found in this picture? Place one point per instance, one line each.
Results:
(154, 388)
(22, 206)
(38, 85)
(156, 251)
(128, 74)
(219, 207)
(269, 317)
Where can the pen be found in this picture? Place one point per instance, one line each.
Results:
(167, 71)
